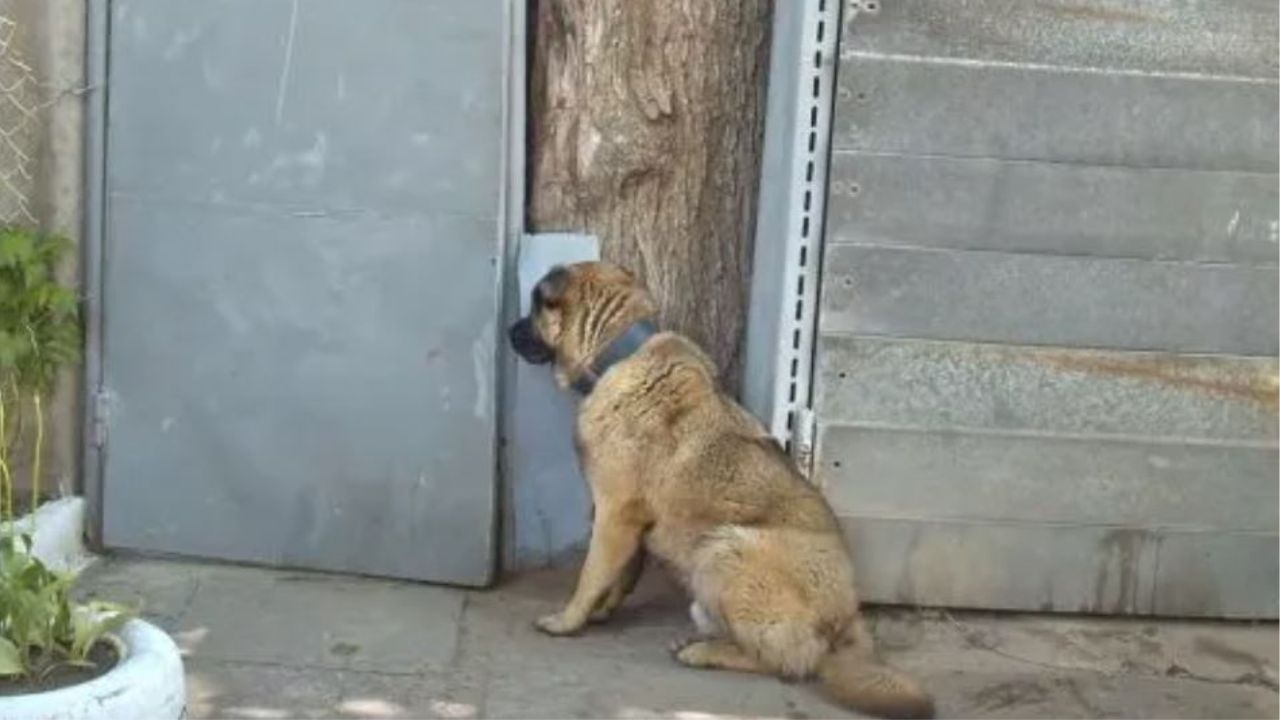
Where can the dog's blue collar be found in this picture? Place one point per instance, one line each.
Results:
(622, 347)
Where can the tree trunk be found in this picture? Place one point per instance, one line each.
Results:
(646, 130)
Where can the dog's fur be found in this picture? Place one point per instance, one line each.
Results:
(680, 471)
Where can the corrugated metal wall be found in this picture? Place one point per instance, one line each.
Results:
(1045, 374)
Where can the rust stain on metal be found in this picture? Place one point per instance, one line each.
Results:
(1092, 12)
(1262, 388)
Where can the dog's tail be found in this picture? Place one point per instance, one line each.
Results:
(852, 676)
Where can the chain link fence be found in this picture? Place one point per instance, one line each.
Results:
(22, 98)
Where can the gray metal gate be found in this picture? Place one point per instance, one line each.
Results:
(1044, 372)
(303, 238)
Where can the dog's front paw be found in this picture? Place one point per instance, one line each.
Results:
(556, 624)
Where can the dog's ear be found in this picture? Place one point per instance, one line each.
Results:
(549, 292)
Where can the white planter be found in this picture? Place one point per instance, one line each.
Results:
(57, 534)
(147, 683)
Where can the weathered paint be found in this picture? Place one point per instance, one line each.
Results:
(993, 204)
(305, 219)
(947, 474)
(988, 387)
(548, 507)
(925, 106)
(1046, 365)
(1159, 36)
(1065, 567)
(1050, 300)
(327, 109)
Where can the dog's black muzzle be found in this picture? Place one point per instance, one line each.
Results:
(525, 341)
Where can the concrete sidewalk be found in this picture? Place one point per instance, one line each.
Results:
(281, 644)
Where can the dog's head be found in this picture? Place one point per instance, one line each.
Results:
(575, 311)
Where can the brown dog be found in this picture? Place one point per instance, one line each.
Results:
(679, 470)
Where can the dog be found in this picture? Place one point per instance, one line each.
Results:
(679, 471)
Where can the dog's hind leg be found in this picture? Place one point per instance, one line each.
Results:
(789, 647)
(716, 654)
(768, 615)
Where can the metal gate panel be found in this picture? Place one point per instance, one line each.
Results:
(1045, 370)
(301, 270)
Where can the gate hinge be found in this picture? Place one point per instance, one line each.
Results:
(100, 417)
(803, 431)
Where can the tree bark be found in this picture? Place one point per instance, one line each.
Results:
(646, 120)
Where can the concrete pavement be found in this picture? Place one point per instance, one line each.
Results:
(283, 644)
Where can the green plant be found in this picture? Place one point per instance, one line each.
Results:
(41, 628)
(39, 335)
